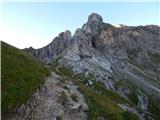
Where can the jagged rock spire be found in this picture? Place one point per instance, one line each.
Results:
(93, 25)
(66, 35)
(94, 17)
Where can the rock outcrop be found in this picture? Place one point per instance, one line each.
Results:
(52, 50)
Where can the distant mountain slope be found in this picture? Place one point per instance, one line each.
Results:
(21, 75)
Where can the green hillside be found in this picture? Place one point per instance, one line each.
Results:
(21, 75)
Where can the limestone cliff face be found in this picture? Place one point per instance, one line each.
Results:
(112, 54)
(52, 50)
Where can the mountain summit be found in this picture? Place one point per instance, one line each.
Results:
(126, 60)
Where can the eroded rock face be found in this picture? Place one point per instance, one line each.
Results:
(81, 44)
(54, 49)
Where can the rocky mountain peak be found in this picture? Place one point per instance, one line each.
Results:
(94, 17)
(66, 35)
(93, 25)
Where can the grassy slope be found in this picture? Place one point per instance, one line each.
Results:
(21, 76)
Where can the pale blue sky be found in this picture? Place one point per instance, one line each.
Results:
(36, 24)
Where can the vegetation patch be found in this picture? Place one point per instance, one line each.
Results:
(127, 84)
(58, 118)
(65, 87)
(123, 116)
(21, 76)
(63, 98)
(133, 97)
(74, 97)
(110, 94)
(154, 108)
(100, 105)
(155, 57)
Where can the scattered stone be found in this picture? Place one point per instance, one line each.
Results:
(90, 83)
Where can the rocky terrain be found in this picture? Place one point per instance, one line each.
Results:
(55, 99)
(124, 60)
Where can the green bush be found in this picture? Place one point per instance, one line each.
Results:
(155, 57)
(133, 97)
(74, 98)
(58, 118)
